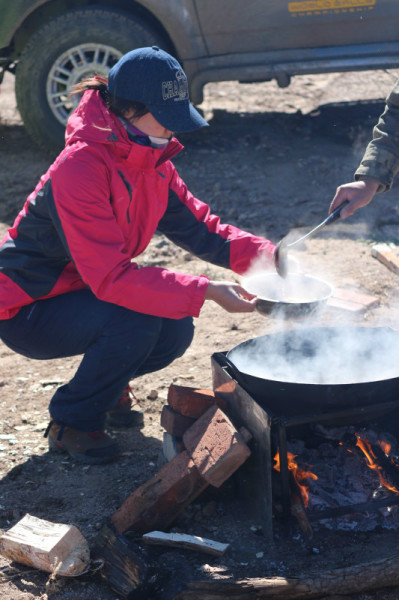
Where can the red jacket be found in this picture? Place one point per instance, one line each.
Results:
(97, 208)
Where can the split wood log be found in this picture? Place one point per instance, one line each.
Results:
(52, 547)
(349, 580)
(182, 540)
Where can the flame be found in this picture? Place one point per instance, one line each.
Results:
(300, 475)
(371, 460)
(386, 447)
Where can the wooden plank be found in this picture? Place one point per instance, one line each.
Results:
(51, 547)
(182, 540)
(255, 474)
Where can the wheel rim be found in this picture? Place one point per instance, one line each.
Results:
(72, 66)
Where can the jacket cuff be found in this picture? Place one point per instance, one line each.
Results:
(199, 296)
(363, 175)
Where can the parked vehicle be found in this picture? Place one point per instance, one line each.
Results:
(52, 44)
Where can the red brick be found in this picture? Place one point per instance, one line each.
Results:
(156, 503)
(215, 446)
(352, 296)
(386, 256)
(342, 304)
(192, 402)
(352, 301)
(175, 423)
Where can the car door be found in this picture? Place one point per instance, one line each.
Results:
(238, 26)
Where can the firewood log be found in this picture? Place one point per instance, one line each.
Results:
(349, 580)
(52, 547)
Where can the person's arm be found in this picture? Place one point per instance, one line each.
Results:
(189, 223)
(381, 158)
(78, 201)
(379, 164)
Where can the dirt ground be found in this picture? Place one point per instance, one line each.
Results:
(269, 162)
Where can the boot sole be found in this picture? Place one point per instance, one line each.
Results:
(55, 446)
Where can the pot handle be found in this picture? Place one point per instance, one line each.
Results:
(231, 368)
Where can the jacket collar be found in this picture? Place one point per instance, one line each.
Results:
(92, 122)
(145, 157)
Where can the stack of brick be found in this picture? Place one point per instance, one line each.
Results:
(185, 405)
(209, 450)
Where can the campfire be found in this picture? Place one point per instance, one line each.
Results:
(301, 476)
(323, 472)
(322, 403)
(372, 460)
(349, 470)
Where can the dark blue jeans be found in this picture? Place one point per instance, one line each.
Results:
(117, 344)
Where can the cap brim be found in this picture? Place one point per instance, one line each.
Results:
(179, 117)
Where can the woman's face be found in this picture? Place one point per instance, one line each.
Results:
(148, 124)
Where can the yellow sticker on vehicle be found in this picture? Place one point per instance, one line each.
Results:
(310, 7)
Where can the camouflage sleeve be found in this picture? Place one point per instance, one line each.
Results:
(381, 159)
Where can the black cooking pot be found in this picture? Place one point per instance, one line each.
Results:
(318, 370)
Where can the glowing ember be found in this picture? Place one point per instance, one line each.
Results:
(300, 475)
(371, 460)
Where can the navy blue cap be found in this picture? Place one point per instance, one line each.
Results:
(155, 78)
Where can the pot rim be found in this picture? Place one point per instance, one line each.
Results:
(329, 290)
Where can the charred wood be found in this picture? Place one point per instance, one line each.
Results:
(349, 580)
(125, 566)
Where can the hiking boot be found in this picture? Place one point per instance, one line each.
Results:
(127, 413)
(91, 447)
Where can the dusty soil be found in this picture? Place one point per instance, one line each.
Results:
(269, 162)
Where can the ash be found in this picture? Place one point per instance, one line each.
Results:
(344, 477)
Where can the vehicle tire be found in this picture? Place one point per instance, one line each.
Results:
(65, 50)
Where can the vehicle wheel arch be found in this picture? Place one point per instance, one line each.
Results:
(33, 21)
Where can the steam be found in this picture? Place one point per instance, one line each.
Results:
(321, 355)
(322, 348)
(294, 289)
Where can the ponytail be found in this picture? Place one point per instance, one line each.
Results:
(119, 106)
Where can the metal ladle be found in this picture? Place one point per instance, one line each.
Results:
(281, 250)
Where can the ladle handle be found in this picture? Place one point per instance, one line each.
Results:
(330, 219)
(335, 213)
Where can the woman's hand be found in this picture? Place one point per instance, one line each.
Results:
(230, 296)
(359, 193)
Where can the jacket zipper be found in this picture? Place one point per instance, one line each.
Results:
(129, 190)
